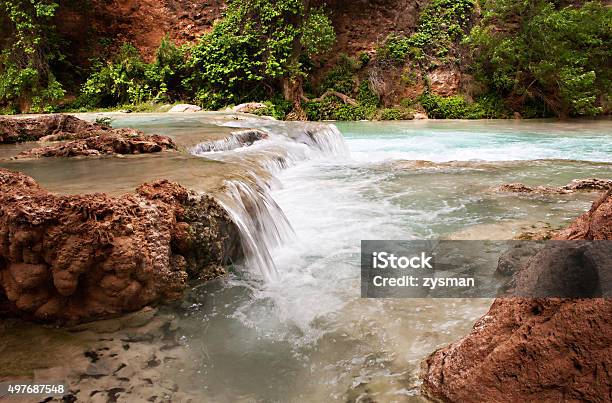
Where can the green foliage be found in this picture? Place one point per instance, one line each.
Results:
(438, 107)
(396, 114)
(317, 33)
(456, 107)
(331, 108)
(278, 108)
(129, 80)
(557, 56)
(26, 81)
(123, 80)
(366, 95)
(342, 77)
(364, 58)
(442, 24)
(257, 44)
(488, 106)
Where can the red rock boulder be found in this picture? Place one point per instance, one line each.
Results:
(85, 257)
(546, 350)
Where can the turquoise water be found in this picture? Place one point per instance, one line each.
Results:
(479, 140)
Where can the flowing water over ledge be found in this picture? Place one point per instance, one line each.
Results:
(289, 324)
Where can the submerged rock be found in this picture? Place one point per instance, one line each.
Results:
(84, 257)
(593, 184)
(181, 108)
(533, 349)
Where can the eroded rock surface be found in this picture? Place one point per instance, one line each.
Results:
(78, 137)
(533, 349)
(592, 184)
(596, 224)
(76, 258)
(59, 127)
(116, 142)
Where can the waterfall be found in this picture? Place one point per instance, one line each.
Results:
(261, 222)
(328, 139)
(237, 139)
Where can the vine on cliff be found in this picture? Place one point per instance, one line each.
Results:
(442, 24)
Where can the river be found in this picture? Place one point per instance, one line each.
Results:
(305, 334)
(288, 324)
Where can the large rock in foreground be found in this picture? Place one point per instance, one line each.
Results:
(77, 258)
(533, 349)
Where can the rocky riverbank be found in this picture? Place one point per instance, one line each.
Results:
(533, 349)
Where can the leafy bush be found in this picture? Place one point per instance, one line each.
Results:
(556, 56)
(124, 80)
(278, 108)
(342, 77)
(26, 80)
(256, 46)
(366, 95)
(456, 107)
(129, 80)
(438, 107)
(396, 114)
(332, 108)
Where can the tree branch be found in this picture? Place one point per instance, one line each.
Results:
(329, 93)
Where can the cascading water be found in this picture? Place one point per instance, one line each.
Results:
(261, 222)
(237, 139)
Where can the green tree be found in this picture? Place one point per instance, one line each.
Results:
(546, 53)
(257, 51)
(27, 50)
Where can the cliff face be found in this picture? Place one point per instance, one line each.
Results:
(359, 25)
(104, 25)
(533, 349)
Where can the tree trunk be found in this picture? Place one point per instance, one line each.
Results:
(293, 91)
(292, 86)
